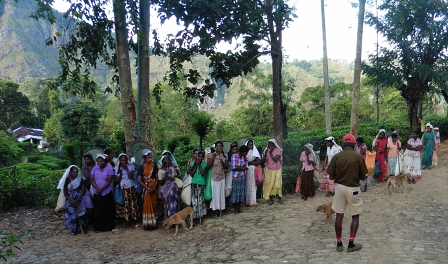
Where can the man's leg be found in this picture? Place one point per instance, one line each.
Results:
(338, 229)
(353, 229)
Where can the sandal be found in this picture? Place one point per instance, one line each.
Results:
(329, 194)
(354, 248)
(270, 202)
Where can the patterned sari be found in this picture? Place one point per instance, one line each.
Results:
(73, 213)
(170, 193)
(150, 199)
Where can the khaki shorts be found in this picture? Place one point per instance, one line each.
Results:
(347, 196)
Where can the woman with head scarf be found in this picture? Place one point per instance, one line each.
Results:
(125, 179)
(217, 162)
(75, 209)
(327, 185)
(307, 165)
(103, 199)
(428, 143)
(170, 192)
(413, 164)
(147, 178)
(233, 150)
(380, 146)
(253, 159)
(272, 185)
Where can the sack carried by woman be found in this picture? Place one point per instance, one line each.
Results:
(186, 190)
(118, 195)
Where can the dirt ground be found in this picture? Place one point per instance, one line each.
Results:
(404, 228)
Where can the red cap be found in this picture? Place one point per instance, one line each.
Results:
(349, 138)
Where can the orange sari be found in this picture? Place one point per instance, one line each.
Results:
(149, 199)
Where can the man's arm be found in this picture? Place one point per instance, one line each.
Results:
(362, 168)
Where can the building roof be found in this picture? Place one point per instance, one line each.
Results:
(23, 133)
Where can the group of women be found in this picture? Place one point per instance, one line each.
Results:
(109, 188)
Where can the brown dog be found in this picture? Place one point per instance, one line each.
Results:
(326, 209)
(397, 181)
(179, 219)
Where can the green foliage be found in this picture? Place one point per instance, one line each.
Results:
(413, 57)
(31, 184)
(289, 179)
(177, 141)
(73, 151)
(202, 124)
(14, 106)
(7, 241)
(10, 152)
(53, 131)
(80, 121)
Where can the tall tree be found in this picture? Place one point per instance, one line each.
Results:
(92, 41)
(325, 68)
(207, 23)
(14, 106)
(354, 117)
(414, 58)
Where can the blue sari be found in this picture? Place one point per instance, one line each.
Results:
(74, 215)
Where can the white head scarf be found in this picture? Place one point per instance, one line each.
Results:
(276, 145)
(167, 153)
(123, 154)
(377, 135)
(64, 177)
(100, 155)
(330, 138)
(255, 152)
(316, 158)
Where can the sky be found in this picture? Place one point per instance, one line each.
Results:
(303, 39)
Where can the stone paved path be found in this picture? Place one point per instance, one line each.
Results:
(405, 228)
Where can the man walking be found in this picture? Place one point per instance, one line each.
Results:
(347, 168)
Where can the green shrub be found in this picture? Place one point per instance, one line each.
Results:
(10, 152)
(289, 178)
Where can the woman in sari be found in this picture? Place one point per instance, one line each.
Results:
(125, 178)
(75, 209)
(253, 159)
(327, 185)
(272, 185)
(413, 164)
(228, 172)
(103, 199)
(170, 192)
(198, 170)
(428, 143)
(380, 146)
(147, 178)
(307, 165)
(217, 162)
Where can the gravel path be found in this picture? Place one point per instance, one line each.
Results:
(405, 228)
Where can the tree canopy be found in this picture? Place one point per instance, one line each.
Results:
(414, 58)
(14, 106)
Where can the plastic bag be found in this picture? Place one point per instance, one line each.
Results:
(208, 187)
(258, 175)
(370, 162)
(118, 195)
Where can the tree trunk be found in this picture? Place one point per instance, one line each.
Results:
(326, 80)
(276, 56)
(357, 77)
(144, 120)
(412, 105)
(124, 73)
